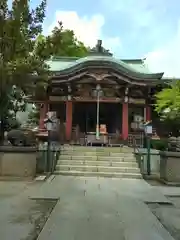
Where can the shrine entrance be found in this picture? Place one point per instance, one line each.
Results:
(85, 116)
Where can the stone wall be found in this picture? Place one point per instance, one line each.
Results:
(18, 162)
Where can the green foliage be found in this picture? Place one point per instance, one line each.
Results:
(23, 50)
(159, 144)
(34, 115)
(168, 107)
(168, 102)
(62, 42)
(19, 28)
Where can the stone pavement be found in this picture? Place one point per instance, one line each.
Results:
(88, 208)
(102, 208)
(20, 217)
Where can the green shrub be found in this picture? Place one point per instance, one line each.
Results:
(159, 144)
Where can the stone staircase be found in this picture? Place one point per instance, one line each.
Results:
(98, 161)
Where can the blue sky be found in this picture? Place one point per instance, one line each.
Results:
(130, 28)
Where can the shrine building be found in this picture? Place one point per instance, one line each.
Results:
(100, 92)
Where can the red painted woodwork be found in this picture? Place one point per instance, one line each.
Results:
(68, 119)
(125, 123)
(148, 113)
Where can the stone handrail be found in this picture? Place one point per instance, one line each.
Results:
(170, 154)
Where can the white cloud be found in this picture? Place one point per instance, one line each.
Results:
(155, 18)
(143, 14)
(166, 58)
(87, 29)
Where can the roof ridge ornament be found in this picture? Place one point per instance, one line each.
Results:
(99, 46)
(99, 50)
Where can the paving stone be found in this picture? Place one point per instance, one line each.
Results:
(100, 208)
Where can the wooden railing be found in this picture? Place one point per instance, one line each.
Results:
(113, 139)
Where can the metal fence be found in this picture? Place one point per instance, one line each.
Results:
(47, 157)
(139, 140)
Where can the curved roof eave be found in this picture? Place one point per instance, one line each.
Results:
(107, 62)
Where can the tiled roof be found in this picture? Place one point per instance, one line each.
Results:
(61, 63)
(135, 66)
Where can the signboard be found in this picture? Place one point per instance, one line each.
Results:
(148, 129)
(57, 98)
(137, 101)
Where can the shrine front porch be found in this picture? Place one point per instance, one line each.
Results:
(79, 119)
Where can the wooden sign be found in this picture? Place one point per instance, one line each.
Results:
(58, 98)
(137, 101)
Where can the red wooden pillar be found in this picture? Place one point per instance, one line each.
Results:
(125, 122)
(68, 119)
(43, 112)
(148, 113)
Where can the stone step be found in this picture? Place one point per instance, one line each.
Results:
(86, 168)
(105, 153)
(99, 174)
(97, 163)
(97, 149)
(98, 158)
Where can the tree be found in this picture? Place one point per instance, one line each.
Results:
(168, 107)
(23, 50)
(22, 71)
(168, 102)
(61, 42)
(16, 102)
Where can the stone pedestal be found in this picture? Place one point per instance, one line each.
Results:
(170, 167)
(17, 162)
